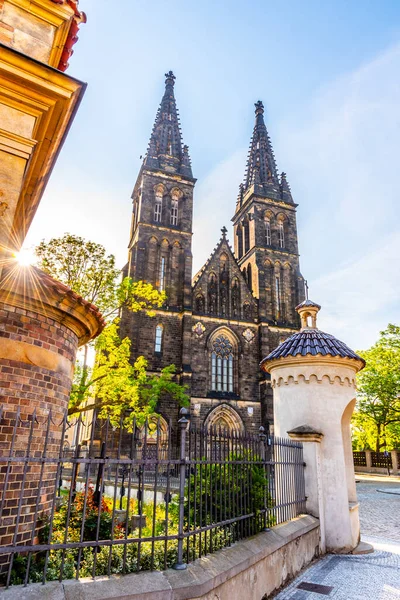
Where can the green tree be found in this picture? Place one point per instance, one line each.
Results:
(84, 267)
(379, 388)
(118, 387)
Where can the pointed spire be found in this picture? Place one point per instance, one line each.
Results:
(165, 150)
(261, 167)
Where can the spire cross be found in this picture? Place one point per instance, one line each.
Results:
(306, 288)
(259, 107)
(170, 76)
(224, 231)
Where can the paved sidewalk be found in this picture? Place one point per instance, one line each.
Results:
(373, 576)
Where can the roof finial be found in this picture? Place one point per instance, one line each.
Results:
(224, 231)
(170, 78)
(308, 313)
(259, 107)
(306, 288)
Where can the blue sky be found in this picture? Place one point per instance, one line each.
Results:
(328, 74)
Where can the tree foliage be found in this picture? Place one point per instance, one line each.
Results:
(118, 388)
(84, 267)
(378, 403)
(113, 386)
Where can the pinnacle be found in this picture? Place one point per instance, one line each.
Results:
(261, 166)
(165, 150)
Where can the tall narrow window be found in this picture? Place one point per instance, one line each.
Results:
(281, 235)
(158, 206)
(158, 340)
(268, 232)
(162, 274)
(249, 277)
(239, 233)
(278, 296)
(174, 212)
(246, 237)
(222, 365)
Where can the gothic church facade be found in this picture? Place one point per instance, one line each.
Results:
(216, 327)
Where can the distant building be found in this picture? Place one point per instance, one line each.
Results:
(217, 326)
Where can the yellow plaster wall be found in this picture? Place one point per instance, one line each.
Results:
(38, 28)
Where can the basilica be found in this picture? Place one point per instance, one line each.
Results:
(217, 325)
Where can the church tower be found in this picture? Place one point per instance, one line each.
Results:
(266, 247)
(265, 233)
(160, 247)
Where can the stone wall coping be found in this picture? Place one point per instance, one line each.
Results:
(34, 290)
(201, 577)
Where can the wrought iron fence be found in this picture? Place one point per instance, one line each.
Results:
(359, 459)
(381, 460)
(131, 501)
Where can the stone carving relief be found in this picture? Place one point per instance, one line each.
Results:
(248, 335)
(198, 329)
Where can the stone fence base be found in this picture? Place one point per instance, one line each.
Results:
(376, 462)
(250, 570)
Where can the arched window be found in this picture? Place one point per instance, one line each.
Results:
(158, 205)
(281, 234)
(239, 233)
(278, 297)
(235, 297)
(249, 277)
(246, 237)
(174, 207)
(212, 294)
(162, 273)
(267, 232)
(158, 338)
(200, 303)
(222, 365)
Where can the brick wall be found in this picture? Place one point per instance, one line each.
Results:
(24, 389)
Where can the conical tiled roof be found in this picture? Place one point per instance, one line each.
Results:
(313, 342)
(310, 341)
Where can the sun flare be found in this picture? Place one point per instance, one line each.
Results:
(25, 257)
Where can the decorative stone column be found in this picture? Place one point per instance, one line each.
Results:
(42, 323)
(313, 380)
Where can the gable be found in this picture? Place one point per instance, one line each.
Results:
(219, 288)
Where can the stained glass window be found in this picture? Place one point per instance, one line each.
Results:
(222, 365)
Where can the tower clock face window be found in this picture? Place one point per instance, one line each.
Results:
(281, 235)
(174, 212)
(222, 365)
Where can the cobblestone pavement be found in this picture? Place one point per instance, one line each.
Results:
(379, 512)
(373, 576)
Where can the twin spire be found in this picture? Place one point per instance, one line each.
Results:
(167, 152)
(261, 171)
